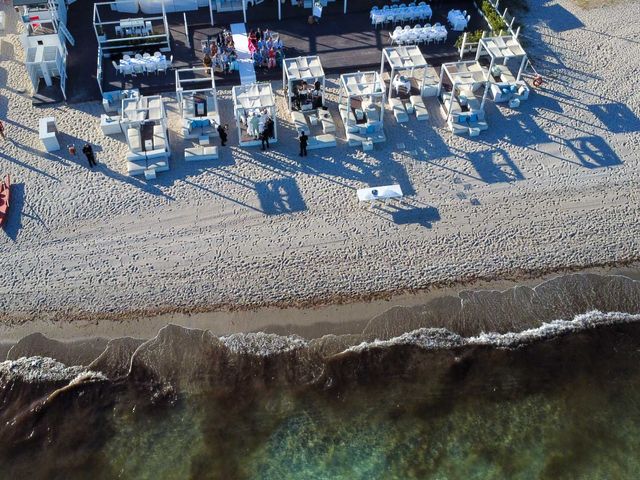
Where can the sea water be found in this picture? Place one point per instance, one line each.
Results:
(560, 401)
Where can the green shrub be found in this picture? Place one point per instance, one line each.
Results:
(472, 37)
(495, 20)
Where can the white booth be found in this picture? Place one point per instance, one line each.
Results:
(463, 105)
(144, 122)
(198, 101)
(309, 70)
(361, 106)
(505, 87)
(252, 105)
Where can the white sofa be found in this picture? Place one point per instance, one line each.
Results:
(199, 153)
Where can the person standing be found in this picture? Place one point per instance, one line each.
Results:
(222, 131)
(88, 151)
(303, 143)
(269, 127)
(2, 131)
(264, 137)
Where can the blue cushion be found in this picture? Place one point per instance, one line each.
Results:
(513, 88)
(462, 119)
(371, 128)
(473, 117)
(505, 89)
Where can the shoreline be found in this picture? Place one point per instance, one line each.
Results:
(307, 319)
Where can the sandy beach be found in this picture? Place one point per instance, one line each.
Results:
(552, 185)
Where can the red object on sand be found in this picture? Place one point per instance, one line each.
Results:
(5, 194)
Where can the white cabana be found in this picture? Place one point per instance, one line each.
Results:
(130, 34)
(44, 41)
(296, 70)
(197, 97)
(251, 105)
(463, 109)
(361, 106)
(503, 48)
(402, 59)
(144, 122)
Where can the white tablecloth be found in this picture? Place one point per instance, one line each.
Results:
(377, 193)
(417, 35)
(387, 15)
(457, 19)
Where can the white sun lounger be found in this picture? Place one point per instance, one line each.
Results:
(379, 193)
(398, 110)
(419, 107)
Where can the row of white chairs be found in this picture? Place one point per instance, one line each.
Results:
(418, 34)
(142, 65)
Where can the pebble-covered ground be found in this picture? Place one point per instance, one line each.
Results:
(553, 184)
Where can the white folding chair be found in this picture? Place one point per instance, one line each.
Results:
(151, 67)
(138, 56)
(126, 58)
(162, 67)
(386, 7)
(116, 66)
(157, 54)
(138, 68)
(146, 56)
(126, 69)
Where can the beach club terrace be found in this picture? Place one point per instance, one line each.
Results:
(343, 42)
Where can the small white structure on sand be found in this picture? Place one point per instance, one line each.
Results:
(409, 59)
(198, 100)
(463, 106)
(361, 106)
(144, 122)
(44, 41)
(504, 85)
(253, 104)
(308, 70)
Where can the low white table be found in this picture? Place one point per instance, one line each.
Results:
(379, 193)
(48, 134)
(367, 145)
(148, 145)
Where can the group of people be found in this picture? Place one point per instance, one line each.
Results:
(266, 49)
(304, 93)
(259, 125)
(220, 52)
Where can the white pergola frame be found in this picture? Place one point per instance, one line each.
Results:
(346, 93)
(455, 84)
(107, 44)
(492, 47)
(414, 52)
(249, 92)
(289, 76)
(182, 84)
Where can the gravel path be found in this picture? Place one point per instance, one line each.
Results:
(551, 185)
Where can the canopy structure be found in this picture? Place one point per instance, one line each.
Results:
(361, 105)
(251, 105)
(196, 86)
(297, 70)
(403, 59)
(469, 75)
(505, 49)
(129, 34)
(44, 41)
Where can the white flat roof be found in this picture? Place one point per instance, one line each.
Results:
(304, 68)
(405, 57)
(502, 47)
(362, 83)
(255, 95)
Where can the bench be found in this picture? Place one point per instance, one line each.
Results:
(158, 137)
(419, 107)
(134, 139)
(300, 122)
(321, 141)
(328, 125)
(398, 110)
(199, 153)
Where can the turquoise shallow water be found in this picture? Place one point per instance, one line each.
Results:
(566, 409)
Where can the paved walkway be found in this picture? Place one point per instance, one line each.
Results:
(245, 63)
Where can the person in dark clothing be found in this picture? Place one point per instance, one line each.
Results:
(4, 137)
(303, 143)
(269, 128)
(222, 131)
(88, 151)
(264, 138)
(259, 34)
